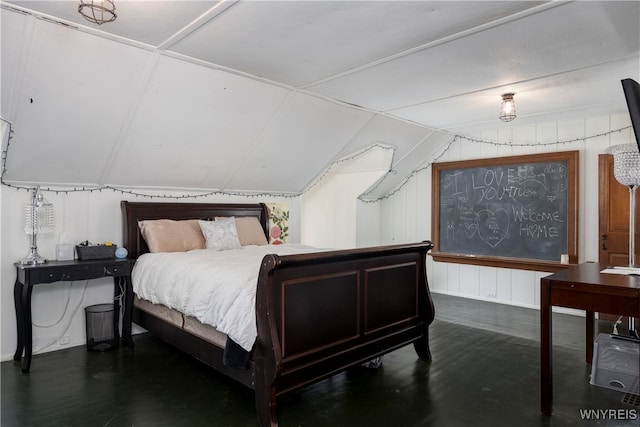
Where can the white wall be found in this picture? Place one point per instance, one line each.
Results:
(329, 207)
(406, 215)
(368, 224)
(93, 216)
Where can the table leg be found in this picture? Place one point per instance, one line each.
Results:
(127, 318)
(589, 336)
(546, 374)
(27, 336)
(116, 306)
(17, 301)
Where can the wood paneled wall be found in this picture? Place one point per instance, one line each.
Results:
(406, 215)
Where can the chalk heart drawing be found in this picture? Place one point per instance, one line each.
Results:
(470, 229)
(493, 226)
(529, 193)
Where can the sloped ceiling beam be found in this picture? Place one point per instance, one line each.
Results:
(215, 94)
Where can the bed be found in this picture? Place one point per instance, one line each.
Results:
(316, 314)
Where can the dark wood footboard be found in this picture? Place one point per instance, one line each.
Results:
(321, 313)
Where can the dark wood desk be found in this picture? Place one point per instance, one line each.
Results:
(55, 271)
(585, 288)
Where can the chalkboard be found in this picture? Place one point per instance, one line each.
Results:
(508, 210)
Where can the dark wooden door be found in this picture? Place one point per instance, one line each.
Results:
(613, 223)
(614, 216)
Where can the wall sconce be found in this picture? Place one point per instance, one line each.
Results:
(507, 108)
(98, 11)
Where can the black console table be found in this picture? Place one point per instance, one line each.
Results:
(56, 271)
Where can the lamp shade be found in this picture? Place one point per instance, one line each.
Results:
(626, 163)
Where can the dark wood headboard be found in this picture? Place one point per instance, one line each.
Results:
(132, 212)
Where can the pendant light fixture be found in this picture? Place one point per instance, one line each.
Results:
(98, 11)
(507, 108)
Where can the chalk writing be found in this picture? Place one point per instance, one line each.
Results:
(515, 210)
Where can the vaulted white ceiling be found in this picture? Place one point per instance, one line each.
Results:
(266, 95)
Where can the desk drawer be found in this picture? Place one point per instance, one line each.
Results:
(68, 274)
(116, 269)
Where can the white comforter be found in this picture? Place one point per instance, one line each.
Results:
(216, 287)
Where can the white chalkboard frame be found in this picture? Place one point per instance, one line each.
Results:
(571, 159)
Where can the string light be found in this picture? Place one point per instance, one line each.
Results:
(480, 141)
(362, 197)
(5, 150)
(157, 196)
(406, 180)
(353, 157)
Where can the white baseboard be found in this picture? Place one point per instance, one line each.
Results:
(562, 310)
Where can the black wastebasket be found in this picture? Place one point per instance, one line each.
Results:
(102, 327)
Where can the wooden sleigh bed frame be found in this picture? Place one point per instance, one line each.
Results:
(317, 314)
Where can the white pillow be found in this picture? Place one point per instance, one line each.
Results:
(250, 231)
(220, 235)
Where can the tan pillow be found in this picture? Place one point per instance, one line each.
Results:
(250, 231)
(167, 235)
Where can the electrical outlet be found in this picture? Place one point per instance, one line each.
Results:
(491, 295)
(64, 340)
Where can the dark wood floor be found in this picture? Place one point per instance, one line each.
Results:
(485, 372)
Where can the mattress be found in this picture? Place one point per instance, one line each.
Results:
(217, 288)
(189, 324)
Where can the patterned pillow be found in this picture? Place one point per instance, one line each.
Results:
(250, 232)
(220, 235)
